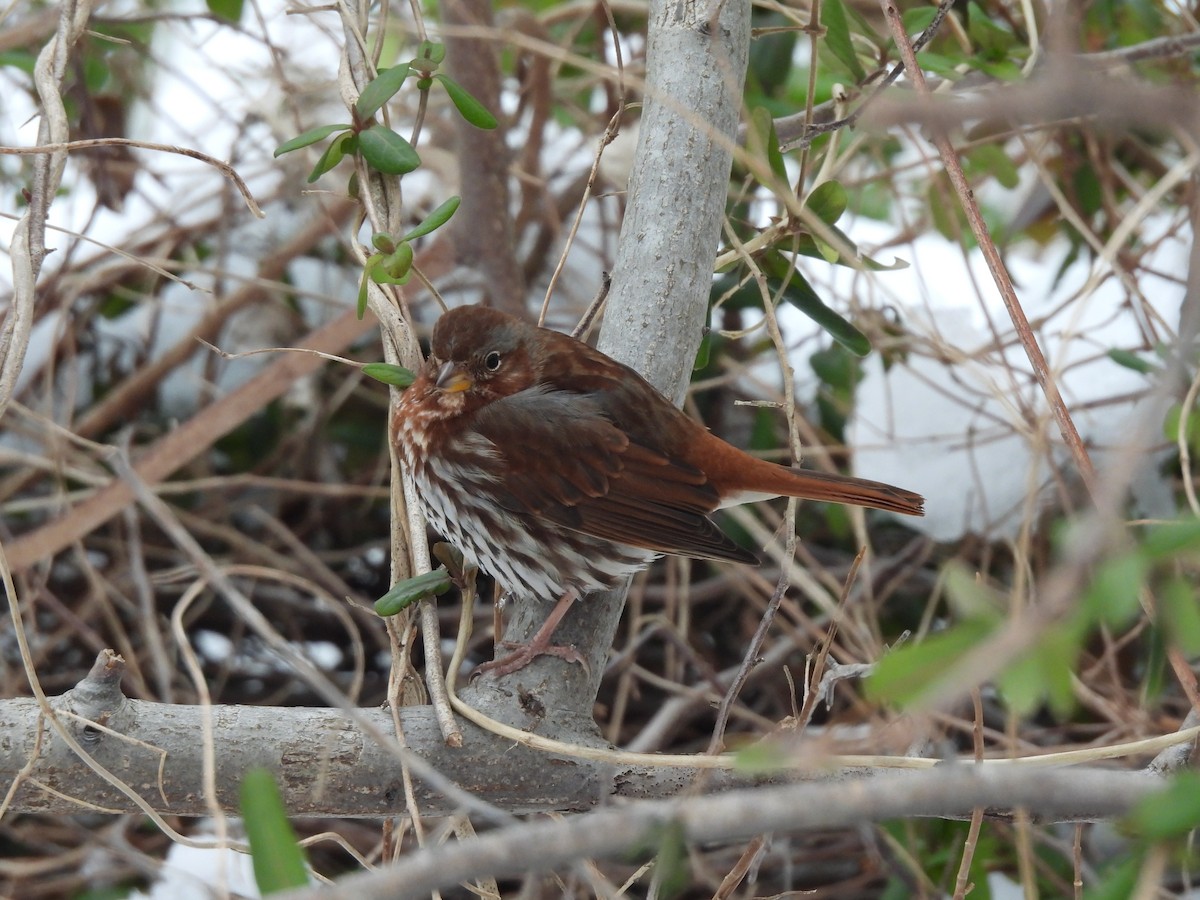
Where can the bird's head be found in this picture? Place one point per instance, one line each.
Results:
(479, 355)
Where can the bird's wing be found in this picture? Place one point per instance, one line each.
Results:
(565, 462)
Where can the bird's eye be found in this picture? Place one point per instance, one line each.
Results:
(492, 361)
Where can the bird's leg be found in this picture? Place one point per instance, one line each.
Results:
(538, 645)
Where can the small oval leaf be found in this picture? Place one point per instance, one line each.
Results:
(1131, 360)
(399, 262)
(333, 155)
(396, 376)
(827, 201)
(309, 137)
(408, 592)
(431, 52)
(468, 107)
(387, 152)
(435, 219)
(381, 89)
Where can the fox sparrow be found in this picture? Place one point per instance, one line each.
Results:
(559, 471)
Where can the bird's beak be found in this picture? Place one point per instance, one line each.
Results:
(452, 380)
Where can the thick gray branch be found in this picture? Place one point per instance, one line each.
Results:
(326, 763)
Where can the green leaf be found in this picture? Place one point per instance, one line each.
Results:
(940, 64)
(1131, 360)
(670, 864)
(384, 243)
(990, 159)
(435, 219)
(836, 367)
(992, 41)
(828, 201)
(229, 10)
(396, 267)
(908, 672)
(818, 248)
(334, 153)
(468, 107)
(917, 20)
(381, 89)
(1171, 424)
(1043, 674)
(837, 37)
(1181, 614)
(391, 268)
(765, 143)
(800, 294)
(1171, 812)
(387, 152)
(948, 217)
(967, 597)
(396, 376)
(278, 859)
(873, 265)
(807, 245)
(431, 52)
(364, 281)
(1118, 880)
(761, 758)
(309, 137)
(20, 59)
(1089, 193)
(1171, 539)
(408, 592)
(772, 59)
(1112, 597)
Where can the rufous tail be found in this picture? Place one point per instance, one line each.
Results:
(780, 481)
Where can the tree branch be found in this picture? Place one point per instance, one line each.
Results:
(1078, 795)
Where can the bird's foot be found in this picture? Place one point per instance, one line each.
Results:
(524, 654)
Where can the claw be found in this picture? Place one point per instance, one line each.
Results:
(524, 654)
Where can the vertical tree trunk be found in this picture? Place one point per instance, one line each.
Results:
(483, 228)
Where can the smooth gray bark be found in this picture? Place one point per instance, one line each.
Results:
(327, 762)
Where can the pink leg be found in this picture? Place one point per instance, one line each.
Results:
(538, 645)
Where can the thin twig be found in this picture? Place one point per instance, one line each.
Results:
(67, 146)
(991, 254)
(249, 613)
(27, 248)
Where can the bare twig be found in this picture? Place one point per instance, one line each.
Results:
(28, 249)
(991, 253)
(67, 146)
(248, 612)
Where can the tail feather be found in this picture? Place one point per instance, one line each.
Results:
(780, 481)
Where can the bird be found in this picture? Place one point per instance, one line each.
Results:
(560, 471)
